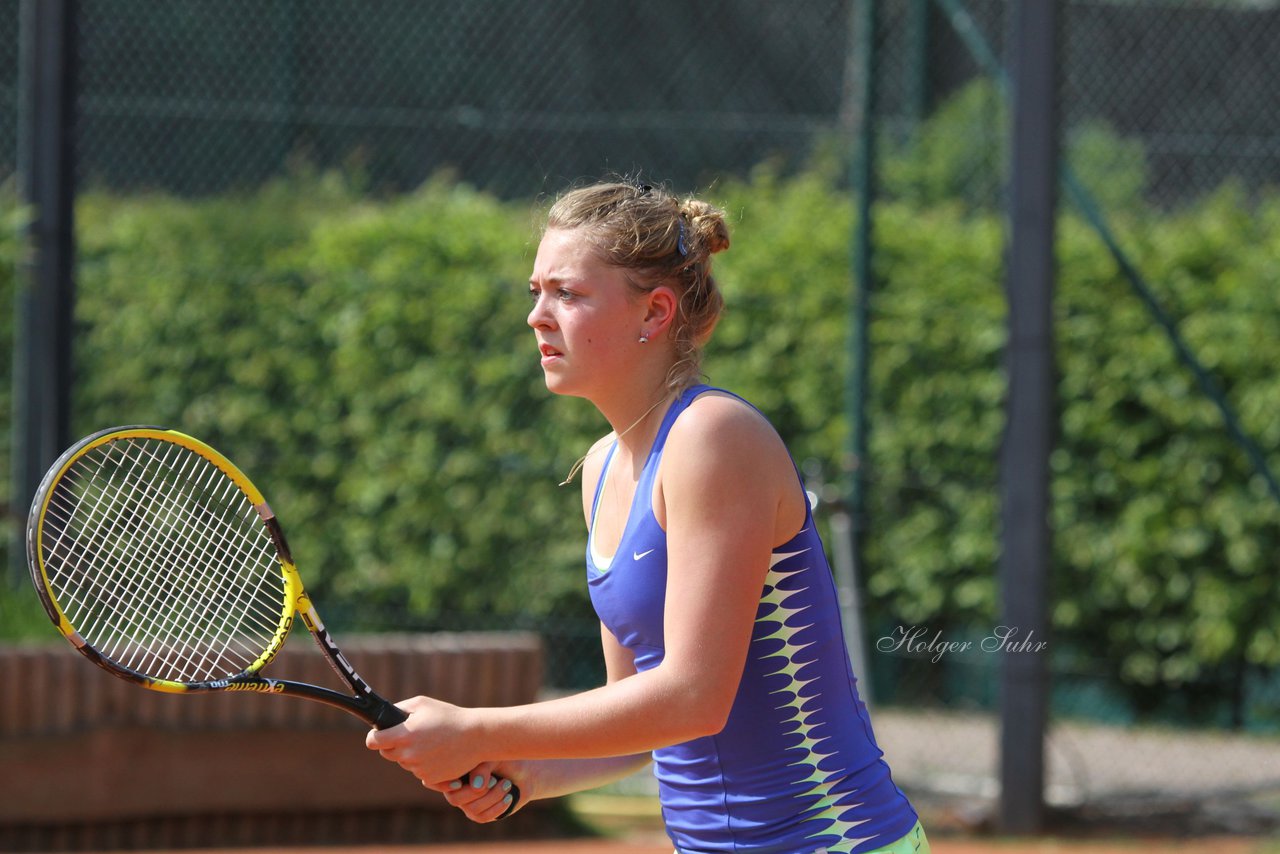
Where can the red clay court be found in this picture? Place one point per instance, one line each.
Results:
(654, 845)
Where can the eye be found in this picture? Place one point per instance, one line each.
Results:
(565, 295)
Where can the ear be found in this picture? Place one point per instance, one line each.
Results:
(660, 306)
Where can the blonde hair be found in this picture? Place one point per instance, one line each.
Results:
(656, 239)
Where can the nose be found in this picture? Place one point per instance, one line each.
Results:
(538, 317)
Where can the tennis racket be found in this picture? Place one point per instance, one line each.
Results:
(163, 564)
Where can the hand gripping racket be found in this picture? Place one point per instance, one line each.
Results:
(162, 563)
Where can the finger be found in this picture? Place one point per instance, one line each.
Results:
(470, 789)
(499, 808)
(445, 787)
(484, 771)
(483, 805)
(382, 739)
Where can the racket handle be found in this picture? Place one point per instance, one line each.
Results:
(388, 715)
(385, 715)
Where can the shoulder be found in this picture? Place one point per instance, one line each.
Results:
(719, 430)
(719, 414)
(725, 465)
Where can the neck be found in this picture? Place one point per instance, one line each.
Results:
(634, 435)
(637, 433)
(629, 408)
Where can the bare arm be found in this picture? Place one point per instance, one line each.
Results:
(724, 482)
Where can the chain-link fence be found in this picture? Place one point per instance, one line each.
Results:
(1164, 104)
(197, 97)
(1184, 83)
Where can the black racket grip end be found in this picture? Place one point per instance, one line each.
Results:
(385, 715)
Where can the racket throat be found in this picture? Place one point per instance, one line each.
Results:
(369, 707)
(325, 641)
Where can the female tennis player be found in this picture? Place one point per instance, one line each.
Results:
(719, 621)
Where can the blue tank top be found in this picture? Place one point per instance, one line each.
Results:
(796, 769)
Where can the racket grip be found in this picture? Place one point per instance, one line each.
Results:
(386, 715)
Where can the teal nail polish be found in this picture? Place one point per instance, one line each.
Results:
(507, 800)
(493, 781)
(455, 785)
(477, 782)
(506, 785)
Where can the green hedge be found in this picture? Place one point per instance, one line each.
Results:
(367, 361)
(1165, 538)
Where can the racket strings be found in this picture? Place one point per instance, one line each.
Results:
(160, 553)
(161, 562)
(199, 610)
(166, 553)
(230, 621)
(106, 592)
(111, 592)
(114, 591)
(102, 592)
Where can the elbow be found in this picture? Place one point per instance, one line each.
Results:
(710, 724)
(697, 700)
(704, 714)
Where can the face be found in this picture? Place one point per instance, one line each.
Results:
(586, 316)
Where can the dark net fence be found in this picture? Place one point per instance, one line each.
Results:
(1164, 105)
(199, 98)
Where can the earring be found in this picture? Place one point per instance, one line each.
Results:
(644, 338)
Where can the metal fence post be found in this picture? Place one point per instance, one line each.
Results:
(1024, 456)
(918, 42)
(42, 349)
(859, 349)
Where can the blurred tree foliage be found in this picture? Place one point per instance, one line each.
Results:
(367, 362)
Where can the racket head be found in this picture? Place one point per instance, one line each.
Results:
(160, 561)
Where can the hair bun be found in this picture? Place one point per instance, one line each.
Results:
(707, 224)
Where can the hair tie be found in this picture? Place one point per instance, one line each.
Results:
(680, 247)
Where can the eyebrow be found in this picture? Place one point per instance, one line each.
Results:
(551, 280)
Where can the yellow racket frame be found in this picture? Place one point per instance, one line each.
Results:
(295, 599)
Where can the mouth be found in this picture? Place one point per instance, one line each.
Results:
(549, 353)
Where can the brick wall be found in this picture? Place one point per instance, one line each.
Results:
(89, 762)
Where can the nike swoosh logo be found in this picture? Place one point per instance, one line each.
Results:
(638, 555)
